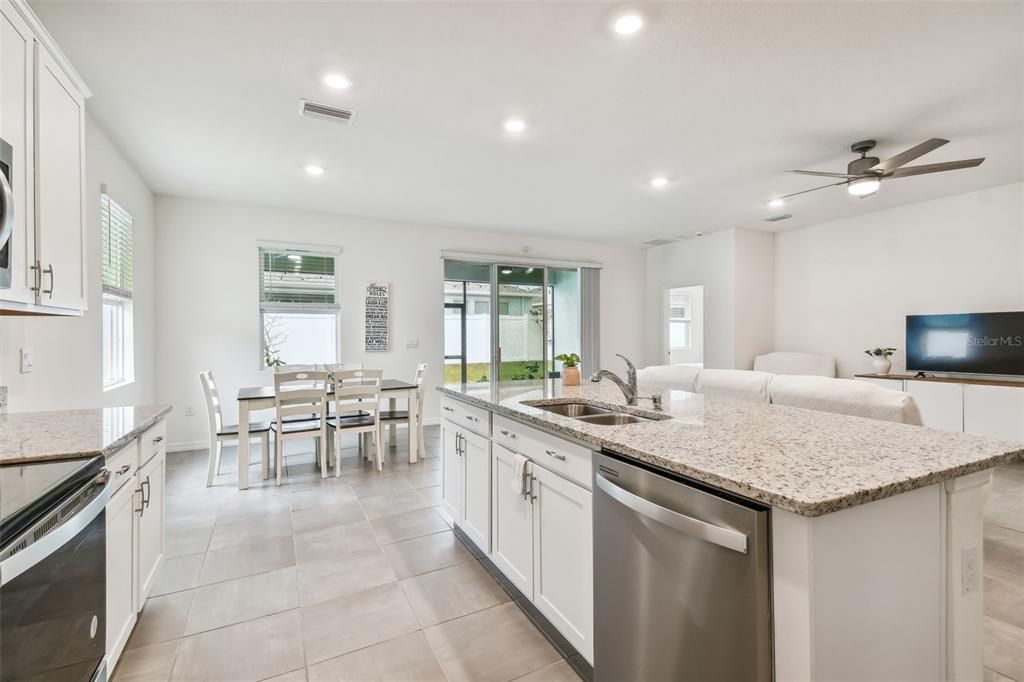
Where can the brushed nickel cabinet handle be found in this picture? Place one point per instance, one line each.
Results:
(49, 271)
(555, 455)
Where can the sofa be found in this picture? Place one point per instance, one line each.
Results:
(826, 394)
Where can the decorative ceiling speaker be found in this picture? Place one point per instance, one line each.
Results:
(864, 176)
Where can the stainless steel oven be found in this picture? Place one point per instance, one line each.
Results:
(6, 213)
(53, 571)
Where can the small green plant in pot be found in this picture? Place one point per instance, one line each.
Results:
(570, 368)
(880, 359)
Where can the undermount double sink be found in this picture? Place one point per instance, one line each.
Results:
(592, 414)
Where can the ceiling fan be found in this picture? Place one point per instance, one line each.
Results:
(864, 176)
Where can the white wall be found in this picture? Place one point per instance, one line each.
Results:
(846, 285)
(755, 296)
(68, 370)
(207, 286)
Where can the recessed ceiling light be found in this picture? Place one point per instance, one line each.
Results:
(777, 203)
(628, 24)
(659, 181)
(337, 81)
(314, 170)
(862, 187)
(514, 125)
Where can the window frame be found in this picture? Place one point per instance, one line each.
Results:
(119, 342)
(263, 308)
(123, 345)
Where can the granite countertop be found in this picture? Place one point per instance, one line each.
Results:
(803, 461)
(72, 434)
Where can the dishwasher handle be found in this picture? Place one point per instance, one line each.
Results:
(724, 537)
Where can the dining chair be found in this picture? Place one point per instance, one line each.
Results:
(221, 432)
(302, 392)
(356, 410)
(416, 424)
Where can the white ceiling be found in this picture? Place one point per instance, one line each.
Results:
(720, 97)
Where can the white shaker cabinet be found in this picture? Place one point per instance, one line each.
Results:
(511, 524)
(150, 523)
(476, 461)
(941, 404)
(452, 481)
(121, 611)
(994, 411)
(563, 557)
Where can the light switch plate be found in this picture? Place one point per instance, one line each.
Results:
(27, 361)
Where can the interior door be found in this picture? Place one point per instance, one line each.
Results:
(60, 209)
(16, 123)
(520, 324)
(452, 482)
(476, 523)
(512, 524)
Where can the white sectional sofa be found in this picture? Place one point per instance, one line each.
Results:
(841, 396)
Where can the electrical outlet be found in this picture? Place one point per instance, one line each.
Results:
(970, 566)
(190, 411)
(27, 361)
(412, 343)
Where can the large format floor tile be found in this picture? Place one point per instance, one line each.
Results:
(234, 601)
(151, 663)
(332, 577)
(177, 574)
(408, 525)
(163, 619)
(334, 541)
(408, 657)
(253, 650)
(452, 592)
(239, 561)
(426, 553)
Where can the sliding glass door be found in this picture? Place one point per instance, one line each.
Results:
(534, 315)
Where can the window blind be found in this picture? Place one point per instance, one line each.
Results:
(297, 279)
(116, 243)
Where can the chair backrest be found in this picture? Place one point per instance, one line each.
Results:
(334, 367)
(796, 363)
(296, 368)
(212, 401)
(301, 392)
(360, 386)
(421, 374)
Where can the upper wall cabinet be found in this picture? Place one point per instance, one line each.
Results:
(42, 118)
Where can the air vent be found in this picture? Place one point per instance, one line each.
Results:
(659, 242)
(326, 113)
(777, 218)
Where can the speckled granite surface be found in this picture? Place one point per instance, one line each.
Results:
(803, 461)
(69, 434)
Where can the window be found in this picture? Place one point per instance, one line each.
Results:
(679, 320)
(118, 328)
(298, 306)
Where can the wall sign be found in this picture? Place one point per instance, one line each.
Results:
(378, 316)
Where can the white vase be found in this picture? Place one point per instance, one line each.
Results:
(882, 365)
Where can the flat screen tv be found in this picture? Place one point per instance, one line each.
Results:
(970, 343)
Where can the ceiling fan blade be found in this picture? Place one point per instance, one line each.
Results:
(824, 175)
(906, 157)
(813, 189)
(933, 168)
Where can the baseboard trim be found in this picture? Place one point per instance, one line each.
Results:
(567, 650)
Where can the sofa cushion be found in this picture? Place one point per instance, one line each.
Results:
(844, 396)
(668, 377)
(796, 363)
(741, 384)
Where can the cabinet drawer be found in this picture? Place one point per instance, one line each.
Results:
(122, 465)
(555, 454)
(152, 441)
(469, 417)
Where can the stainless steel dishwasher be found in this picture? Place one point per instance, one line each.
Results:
(682, 588)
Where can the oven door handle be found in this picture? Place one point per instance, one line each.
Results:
(6, 211)
(17, 564)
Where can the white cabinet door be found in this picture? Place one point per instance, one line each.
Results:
(17, 47)
(941, 404)
(563, 557)
(511, 524)
(452, 481)
(60, 163)
(121, 515)
(476, 461)
(994, 411)
(151, 524)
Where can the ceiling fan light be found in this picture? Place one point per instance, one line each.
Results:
(862, 187)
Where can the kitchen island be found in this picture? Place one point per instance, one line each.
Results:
(875, 528)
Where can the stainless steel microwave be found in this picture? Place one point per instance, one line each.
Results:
(6, 213)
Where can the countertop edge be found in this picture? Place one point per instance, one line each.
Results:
(773, 499)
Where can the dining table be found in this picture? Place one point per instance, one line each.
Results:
(254, 398)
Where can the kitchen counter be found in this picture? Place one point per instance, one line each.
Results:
(803, 461)
(73, 434)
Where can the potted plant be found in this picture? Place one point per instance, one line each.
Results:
(570, 368)
(880, 359)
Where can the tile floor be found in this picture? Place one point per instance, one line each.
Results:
(351, 578)
(359, 578)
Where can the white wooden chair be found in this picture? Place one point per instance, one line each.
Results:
(221, 432)
(302, 392)
(357, 410)
(416, 424)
